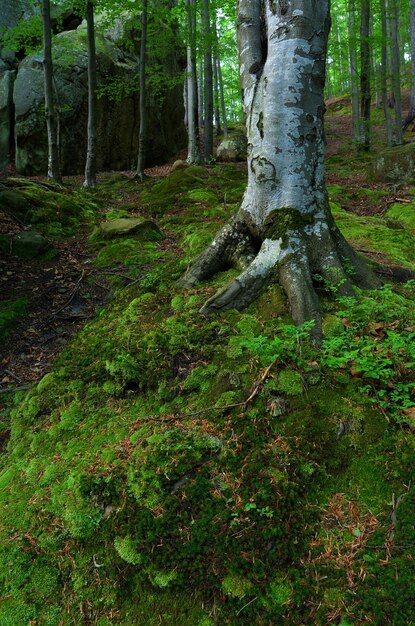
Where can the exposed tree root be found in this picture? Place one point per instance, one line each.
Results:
(317, 253)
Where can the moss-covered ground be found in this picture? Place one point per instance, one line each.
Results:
(140, 486)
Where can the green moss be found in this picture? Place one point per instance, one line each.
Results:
(54, 211)
(236, 586)
(372, 233)
(10, 313)
(332, 326)
(290, 382)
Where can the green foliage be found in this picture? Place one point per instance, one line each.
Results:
(25, 37)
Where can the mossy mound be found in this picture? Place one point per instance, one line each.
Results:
(54, 210)
(376, 234)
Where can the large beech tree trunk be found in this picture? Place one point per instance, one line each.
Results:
(283, 230)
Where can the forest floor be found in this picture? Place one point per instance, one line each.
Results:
(64, 292)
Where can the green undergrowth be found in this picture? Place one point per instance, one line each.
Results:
(140, 487)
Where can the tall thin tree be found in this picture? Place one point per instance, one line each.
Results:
(143, 113)
(411, 113)
(90, 166)
(54, 172)
(384, 73)
(365, 63)
(392, 18)
(208, 81)
(353, 69)
(193, 154)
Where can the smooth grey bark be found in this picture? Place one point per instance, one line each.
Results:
(90, 166)
(54, 172)
(384, 74)
(200, 95)
(143, 113)
(222, 98)
(193, 154)
(353, 70)
(392, 18)
(220, 89)
(207, 82)
(284, 229)
(365, 89)
(216, 95)
(186, 104)
(411, 113)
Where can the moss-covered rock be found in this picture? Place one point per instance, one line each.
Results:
(28, 244)
(138, 227)
(394, 165)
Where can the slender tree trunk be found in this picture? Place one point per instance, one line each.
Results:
(54, 172)
(193, 154)
(208, 82)
(411, 113)
(90, 167)
(392, 17)
(186, 103)
(200, 96)
(353, 70)
(221, 93)
(365, 90)
(222, 99)
(384, 74)
(216, 95)
(143, 113)
(283, 228)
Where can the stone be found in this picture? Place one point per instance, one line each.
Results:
(127, 227)
(28, 244)
(179, 165)
(394, 165)
(6, 115)
(233, 148)
(117, 118)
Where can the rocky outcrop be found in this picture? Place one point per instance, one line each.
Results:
(233, 147)
(394, 165)
(117, 117)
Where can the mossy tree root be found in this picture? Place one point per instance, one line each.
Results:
(296, 260)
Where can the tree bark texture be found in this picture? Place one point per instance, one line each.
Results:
(50, 110)
(90, 167)
(283, 230)
(143, 114)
